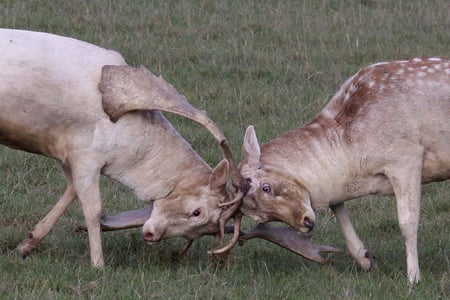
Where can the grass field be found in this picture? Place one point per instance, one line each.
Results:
(273, 64)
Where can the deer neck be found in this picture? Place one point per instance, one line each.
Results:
(157, 160)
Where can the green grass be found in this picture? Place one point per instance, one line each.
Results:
(273, 64)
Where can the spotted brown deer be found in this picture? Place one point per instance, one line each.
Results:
(387, 130)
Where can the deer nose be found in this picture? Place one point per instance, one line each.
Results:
(149, 237)
(308, 223)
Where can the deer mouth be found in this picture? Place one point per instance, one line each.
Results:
(151, 243)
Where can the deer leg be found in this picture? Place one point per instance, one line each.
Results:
(43, 227)
(406, 184)
(87, 184)
(354, 244)
(186, 247)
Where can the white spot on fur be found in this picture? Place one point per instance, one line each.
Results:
(347, 96)
(339, 94)
(327, 114)
(447, 71)
(400, 71)
(431, 70)
(434, 59)
(417, 59)
(421, 74)
(371, 83)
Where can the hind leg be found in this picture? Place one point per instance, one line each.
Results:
(43, 227)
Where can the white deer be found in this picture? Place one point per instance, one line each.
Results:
(51, 104)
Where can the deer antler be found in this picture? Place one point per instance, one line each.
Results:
(127, 88)
(290, 239)
(126, 219)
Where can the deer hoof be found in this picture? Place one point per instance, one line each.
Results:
(372, 259)
(25, 248)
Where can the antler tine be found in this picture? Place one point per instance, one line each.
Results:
(225, 216)
(236, 199)
(234, 239)
(235, 175)
(238, 182)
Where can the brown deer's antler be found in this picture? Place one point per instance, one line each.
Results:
(290, 239)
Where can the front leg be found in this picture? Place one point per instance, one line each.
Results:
(87, 184)
(354, 244)
(407, 189)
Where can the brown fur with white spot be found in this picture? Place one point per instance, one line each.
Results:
(386, 130)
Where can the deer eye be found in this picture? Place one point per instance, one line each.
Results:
(196, 213)
(266, 188)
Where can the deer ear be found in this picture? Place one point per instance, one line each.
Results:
(250, 150)
(219, 176)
